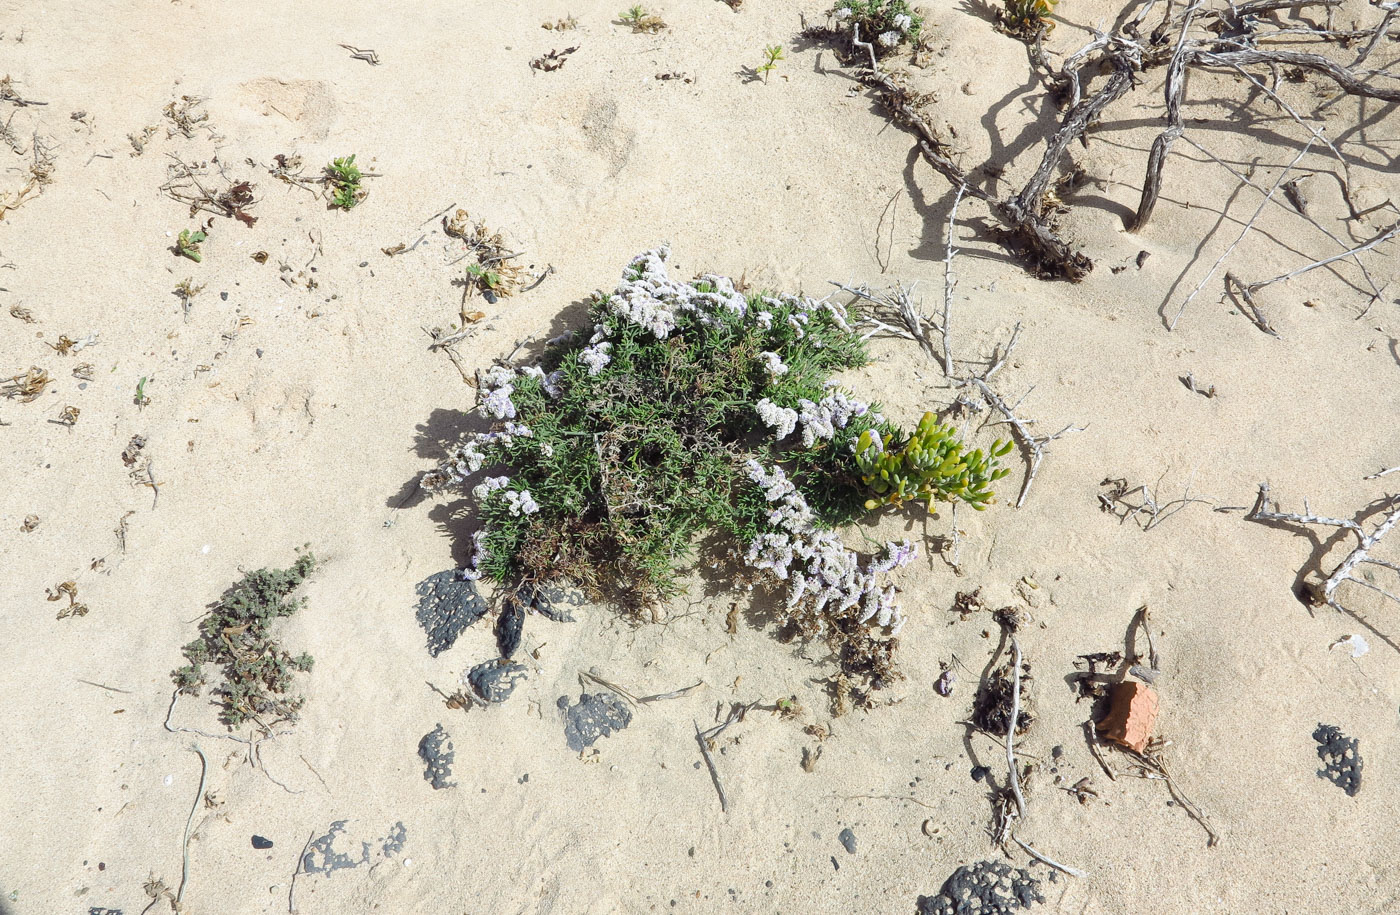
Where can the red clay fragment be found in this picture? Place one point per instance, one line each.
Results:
(1130, 719)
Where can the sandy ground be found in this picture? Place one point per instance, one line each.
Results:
(322, 405)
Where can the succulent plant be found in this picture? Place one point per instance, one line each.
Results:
(931, 465)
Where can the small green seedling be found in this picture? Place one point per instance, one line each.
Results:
(1026, 19)
(772, 54)
(930, 466)
(641, 20)
(344, 177)
(187, 245)
(485, 279)
(141, 400)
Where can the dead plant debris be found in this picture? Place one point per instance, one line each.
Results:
(554, 60)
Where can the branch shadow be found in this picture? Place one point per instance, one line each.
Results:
(1322, 547)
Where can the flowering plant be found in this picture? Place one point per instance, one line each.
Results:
(683, 408)
(886, 23)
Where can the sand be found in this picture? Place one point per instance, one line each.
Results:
(321, 406)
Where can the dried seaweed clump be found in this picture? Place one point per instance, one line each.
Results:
(236, 636)
(992, 709)
(683, 409)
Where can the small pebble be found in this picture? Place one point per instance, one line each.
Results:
(848, 840)
(223, 296)
(260, 842)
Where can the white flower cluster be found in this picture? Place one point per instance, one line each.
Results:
(650, 299)
(483, 490)
(832, 412)
(781, 419)
(549, 382)
(499, 382)
(596, 357)
(467, 458)
(521, 503)
(774, 364)
(902, 22)
(472, 571)
(820, 571)
(890, 39)
(842, 14)
(819, 420)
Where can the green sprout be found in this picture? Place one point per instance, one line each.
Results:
(641, 20)
(187, 245)
(141, 400)
(344, 177)
(1026, 19)
(773, 53)
(930, 466)
(485, 279)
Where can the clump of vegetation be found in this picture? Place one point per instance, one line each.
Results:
(685, 414)
(187, 245)
(236, 636)
(931, 465)
(493, 274)
(886, 24)
(1026, 19)
(771, 55)
(344, 178)
(642, 20)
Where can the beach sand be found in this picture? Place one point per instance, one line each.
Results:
(321, 405)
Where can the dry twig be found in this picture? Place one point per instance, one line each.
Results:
(1348, 570)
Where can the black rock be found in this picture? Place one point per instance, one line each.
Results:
(1340, 758)
(260, 842)
(848, 840)
(331, 860)
(510, 627)
(392, 844)
(447, 605)
(979, 773)
(593, 716)
(550, 602)
(494, 681)
(984, 888)
(436, 750)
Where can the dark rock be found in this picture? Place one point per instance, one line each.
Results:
(392, 844)
(980, 773)
(330, 859)
(436, 750)
(510, 627)
(1340, 758)
(495, 680)
(984, 888)
(551, 602)
(447, 605)
(848, 840)
(593, 716)
(260, 842)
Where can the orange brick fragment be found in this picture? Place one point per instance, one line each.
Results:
(1132, 715)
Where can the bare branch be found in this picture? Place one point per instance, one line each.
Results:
(1345, 572)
